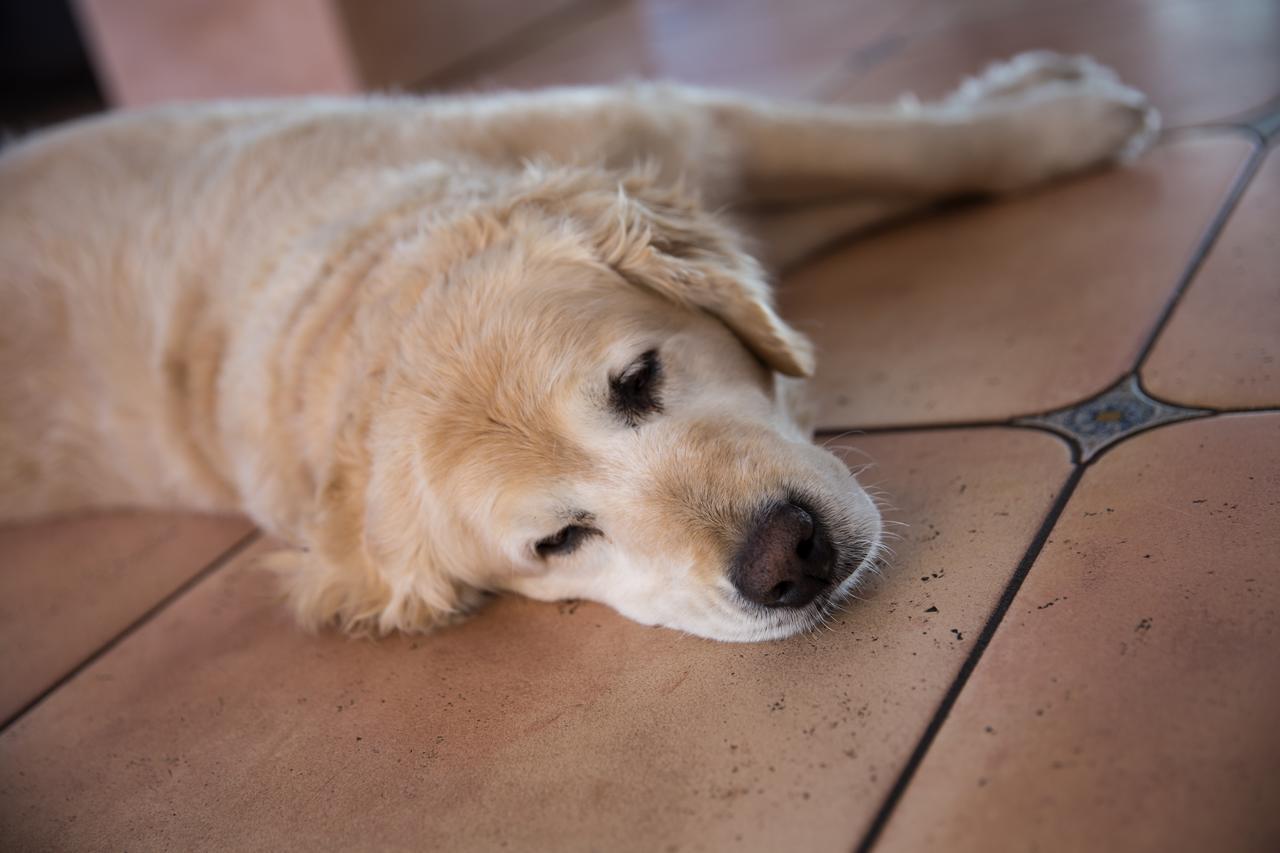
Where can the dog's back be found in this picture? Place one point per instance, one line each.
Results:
(93, 218)
(135, 248)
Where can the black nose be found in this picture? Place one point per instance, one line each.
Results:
(786, 559)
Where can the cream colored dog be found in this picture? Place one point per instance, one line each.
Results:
(448, 345)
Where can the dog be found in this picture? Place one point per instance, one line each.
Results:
(444, 346)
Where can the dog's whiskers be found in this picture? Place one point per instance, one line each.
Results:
(845, 434)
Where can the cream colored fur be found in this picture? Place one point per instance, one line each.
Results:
(384, 327)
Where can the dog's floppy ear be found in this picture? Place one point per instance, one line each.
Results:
(658, 238)
(365, 567)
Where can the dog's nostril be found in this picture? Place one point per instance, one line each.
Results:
(779, 592)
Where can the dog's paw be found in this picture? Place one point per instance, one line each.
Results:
(1068, 112)
(1051, 116)
(1070, 127)
(1027, 72)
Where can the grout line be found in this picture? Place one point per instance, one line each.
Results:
(1268, 125)
(538, 33)
(1260, 117)
(825, 434)
(1241, 410)
(1015, 422)
(216, 563)
(1020, 573)
(1212, 410)
(828, 432)
(1202, 249)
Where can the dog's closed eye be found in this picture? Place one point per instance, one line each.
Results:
(566, 540)
(633, 394)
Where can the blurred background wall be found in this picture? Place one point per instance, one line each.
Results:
(1200, 60)
(60, 58)
(219, 48)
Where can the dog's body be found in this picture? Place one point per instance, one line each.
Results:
(450, 345)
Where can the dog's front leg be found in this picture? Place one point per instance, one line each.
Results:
(1037, 117)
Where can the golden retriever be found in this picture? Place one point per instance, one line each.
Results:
(442, 346)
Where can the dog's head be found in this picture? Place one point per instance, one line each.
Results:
(596, 399)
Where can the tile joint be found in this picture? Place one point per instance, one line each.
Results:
(226, 556)
(1112, 416)
(1266, 120)
(883, 814)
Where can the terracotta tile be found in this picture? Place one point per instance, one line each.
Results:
(768, 46)
(67, 587)
(1011, 307)
(531, 726)
(1222, 345)
(1198, 61)
(1129, 700)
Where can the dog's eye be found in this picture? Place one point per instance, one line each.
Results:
(634, 392)
(565, 540)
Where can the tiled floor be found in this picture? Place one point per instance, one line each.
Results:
(1075, 648)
